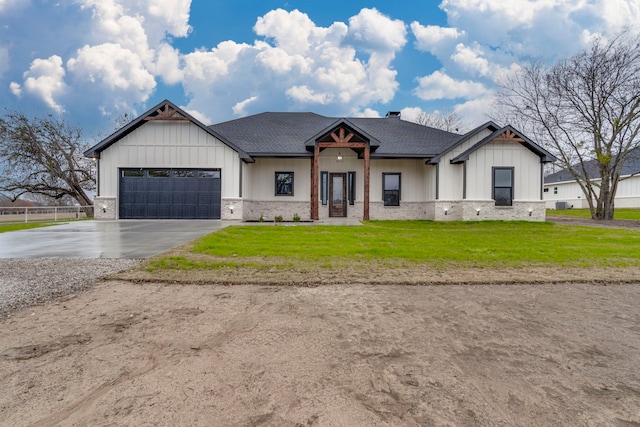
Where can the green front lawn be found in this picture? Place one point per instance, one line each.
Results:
(620, 213)
(23, 226)
(406, 243)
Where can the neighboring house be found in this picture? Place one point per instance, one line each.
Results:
(561, 191)
(166, 164)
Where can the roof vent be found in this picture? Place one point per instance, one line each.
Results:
(393, 115)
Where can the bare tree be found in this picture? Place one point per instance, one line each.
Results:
(449, 122)
(44, 156)
(586, 110)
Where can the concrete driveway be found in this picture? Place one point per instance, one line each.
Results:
(104, 239)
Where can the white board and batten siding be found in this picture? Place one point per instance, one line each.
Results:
(414, 178)
(451, 175)
(259, 178)
(627, 194)
(526, 170)
(169, 144)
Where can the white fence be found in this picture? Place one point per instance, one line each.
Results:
(44, 213)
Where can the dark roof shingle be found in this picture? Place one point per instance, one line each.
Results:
(287, 133)
(631, 167)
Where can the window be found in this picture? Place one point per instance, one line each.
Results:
(503, 186)
(555, 190)
(133, 173)
(209, 174)
(158, 173)
(184, 174)
(284, 183)
(351, 187)
(391, 189)
(324, 185)
(546, 190)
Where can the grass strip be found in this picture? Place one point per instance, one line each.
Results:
(620, 213)
(407, 244)
(4, 228)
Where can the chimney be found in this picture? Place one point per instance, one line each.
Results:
(393, 115)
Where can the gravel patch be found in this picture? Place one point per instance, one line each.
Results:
(27, 282)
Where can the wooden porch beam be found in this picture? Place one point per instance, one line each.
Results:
(341, 144)
(315, 174)
(367, 173)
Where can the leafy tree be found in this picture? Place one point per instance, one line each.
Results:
(585, 110)
(43, 155)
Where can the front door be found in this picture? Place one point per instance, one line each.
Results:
(338, 195)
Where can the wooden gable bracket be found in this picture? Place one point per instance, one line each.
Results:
(166, 112)
(341, 138)
(508, 136)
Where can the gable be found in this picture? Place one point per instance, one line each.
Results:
(506, 135)
(165, 111)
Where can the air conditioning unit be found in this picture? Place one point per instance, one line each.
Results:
(561, 206)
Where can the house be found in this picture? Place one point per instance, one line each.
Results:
(167, 164)
(561, 191)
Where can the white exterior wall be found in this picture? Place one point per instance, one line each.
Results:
(260, 179)
(259, 189)
(627, 195)
(168, 144)
(451, 176)
(417, 183)
(478, 203)
(526, 173)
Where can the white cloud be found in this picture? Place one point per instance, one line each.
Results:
(9, 4)
(114, 68)
(201, 117)
(439, 85)
(299, 63)
(279, 61)
(238, 109)
(376, 32)
(168, 64)
(476, 110)
(173, 14)
(291, 31)
(435, 39)
(543, 28)
(367, 112)
(45, 79)
(16, 89)
(470, 59)
(306, 95)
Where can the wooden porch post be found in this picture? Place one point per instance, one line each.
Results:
(315, 165)
(367, 172)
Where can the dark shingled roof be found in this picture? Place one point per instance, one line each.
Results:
(289, 133)
(295, 134)
(631, 167)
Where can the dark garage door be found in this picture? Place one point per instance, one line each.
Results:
(170, 194)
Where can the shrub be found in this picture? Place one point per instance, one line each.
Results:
(278, 218)
(296, 217)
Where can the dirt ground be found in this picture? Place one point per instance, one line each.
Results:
(130, 354)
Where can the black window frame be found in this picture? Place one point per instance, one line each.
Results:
(132, 173)
(324, 187)
(494, 187)
(387, 201)
(351, 187)
(278, 186)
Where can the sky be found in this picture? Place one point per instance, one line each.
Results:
(91, 61)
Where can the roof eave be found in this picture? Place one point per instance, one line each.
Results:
(94, 152)
(488, 125)
(545, 156)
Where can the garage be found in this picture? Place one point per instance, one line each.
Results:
(170, 193)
